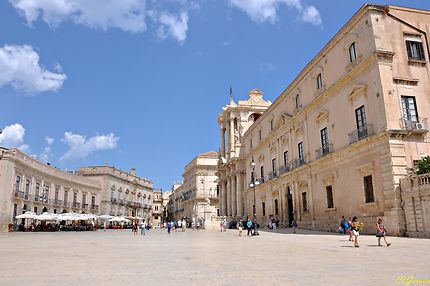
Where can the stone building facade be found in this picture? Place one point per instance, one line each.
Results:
(341, 135)
(157, 208)
(123, 193)
(200, 198)
(234, 121)
(175, 206)
(30, 185)
(415, 192)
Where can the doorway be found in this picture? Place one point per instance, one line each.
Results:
(290, 206)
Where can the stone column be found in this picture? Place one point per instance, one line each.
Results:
(221, 198)
(239, 195)
(231, 137)
(228, 203)
(222, 151)
(233, 196)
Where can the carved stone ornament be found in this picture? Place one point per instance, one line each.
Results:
(260, 158)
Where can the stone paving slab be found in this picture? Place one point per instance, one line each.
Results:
(207, 257)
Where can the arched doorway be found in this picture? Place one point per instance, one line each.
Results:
(45, 210)
(290, 206)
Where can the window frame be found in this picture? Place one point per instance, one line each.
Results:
(369, 194)
(352, 52)
(330, 199)
(415, 46)
(406, 113)
(301, 152)
(319, 81)
(304, 202)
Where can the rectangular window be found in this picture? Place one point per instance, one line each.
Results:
(409, 107)
(368, 189)
(360, 118)
(15, 210)
(304, 202)
(84, 200)
(45, 192)
(260, 135)
(286, 158)
(263, 208)
(324, 141)
(37, 192)
(274, 165)
(415, 50)
(352, 53)
(17, 183)
(250, 143)
(35, 210)
(66, 196)
(301, 153)
(329, 191)
(93, 200)
(262, 173)
(57, 191)
(75, 197)
(319, 81)
(271, 125)
(276, 207)
(27, 189)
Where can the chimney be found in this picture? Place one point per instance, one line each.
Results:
(133, 171)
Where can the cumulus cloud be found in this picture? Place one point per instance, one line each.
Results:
(20, 68)
(175, 26)
(128, 15)
(267, 10)
(80, 147)
(47, 152)
(13, 136)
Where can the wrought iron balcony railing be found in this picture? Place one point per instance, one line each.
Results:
(361, 133)
(417, 124)
(324, 151)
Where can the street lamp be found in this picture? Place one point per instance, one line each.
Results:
(252, 185)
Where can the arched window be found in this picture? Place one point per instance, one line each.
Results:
(352, 52)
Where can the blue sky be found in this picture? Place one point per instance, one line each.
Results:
(140, 83)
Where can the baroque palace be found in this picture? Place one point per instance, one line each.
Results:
(339, 138)
(27, 184)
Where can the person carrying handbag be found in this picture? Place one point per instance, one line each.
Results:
(381, 232)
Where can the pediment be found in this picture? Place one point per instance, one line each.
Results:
(322, 116)
(357, 91)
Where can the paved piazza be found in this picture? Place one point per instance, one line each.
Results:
(205, 258)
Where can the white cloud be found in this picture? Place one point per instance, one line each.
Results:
(127, 15)
(175, 26)
(13, 136)
(311, 15)
(19, 67)
(267, 10)
(47, 152)
(80, 147)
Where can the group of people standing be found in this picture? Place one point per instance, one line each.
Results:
(141, 227)
(352, 227)
(175, 226)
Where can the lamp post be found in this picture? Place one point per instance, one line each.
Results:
(252, 185)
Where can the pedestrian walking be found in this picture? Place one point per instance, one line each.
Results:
(342, 225)
(249, 225)
(240, 227)
(142, 228)
(169, 227)
(221, 225)
(224, 225)
(349, 229)
(294, 225)
(134, 228)
(381, 232)
(184, 225)
(355, 229)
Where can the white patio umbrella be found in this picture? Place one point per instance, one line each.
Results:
(105, 216)
(45, 217)
(27, 215)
